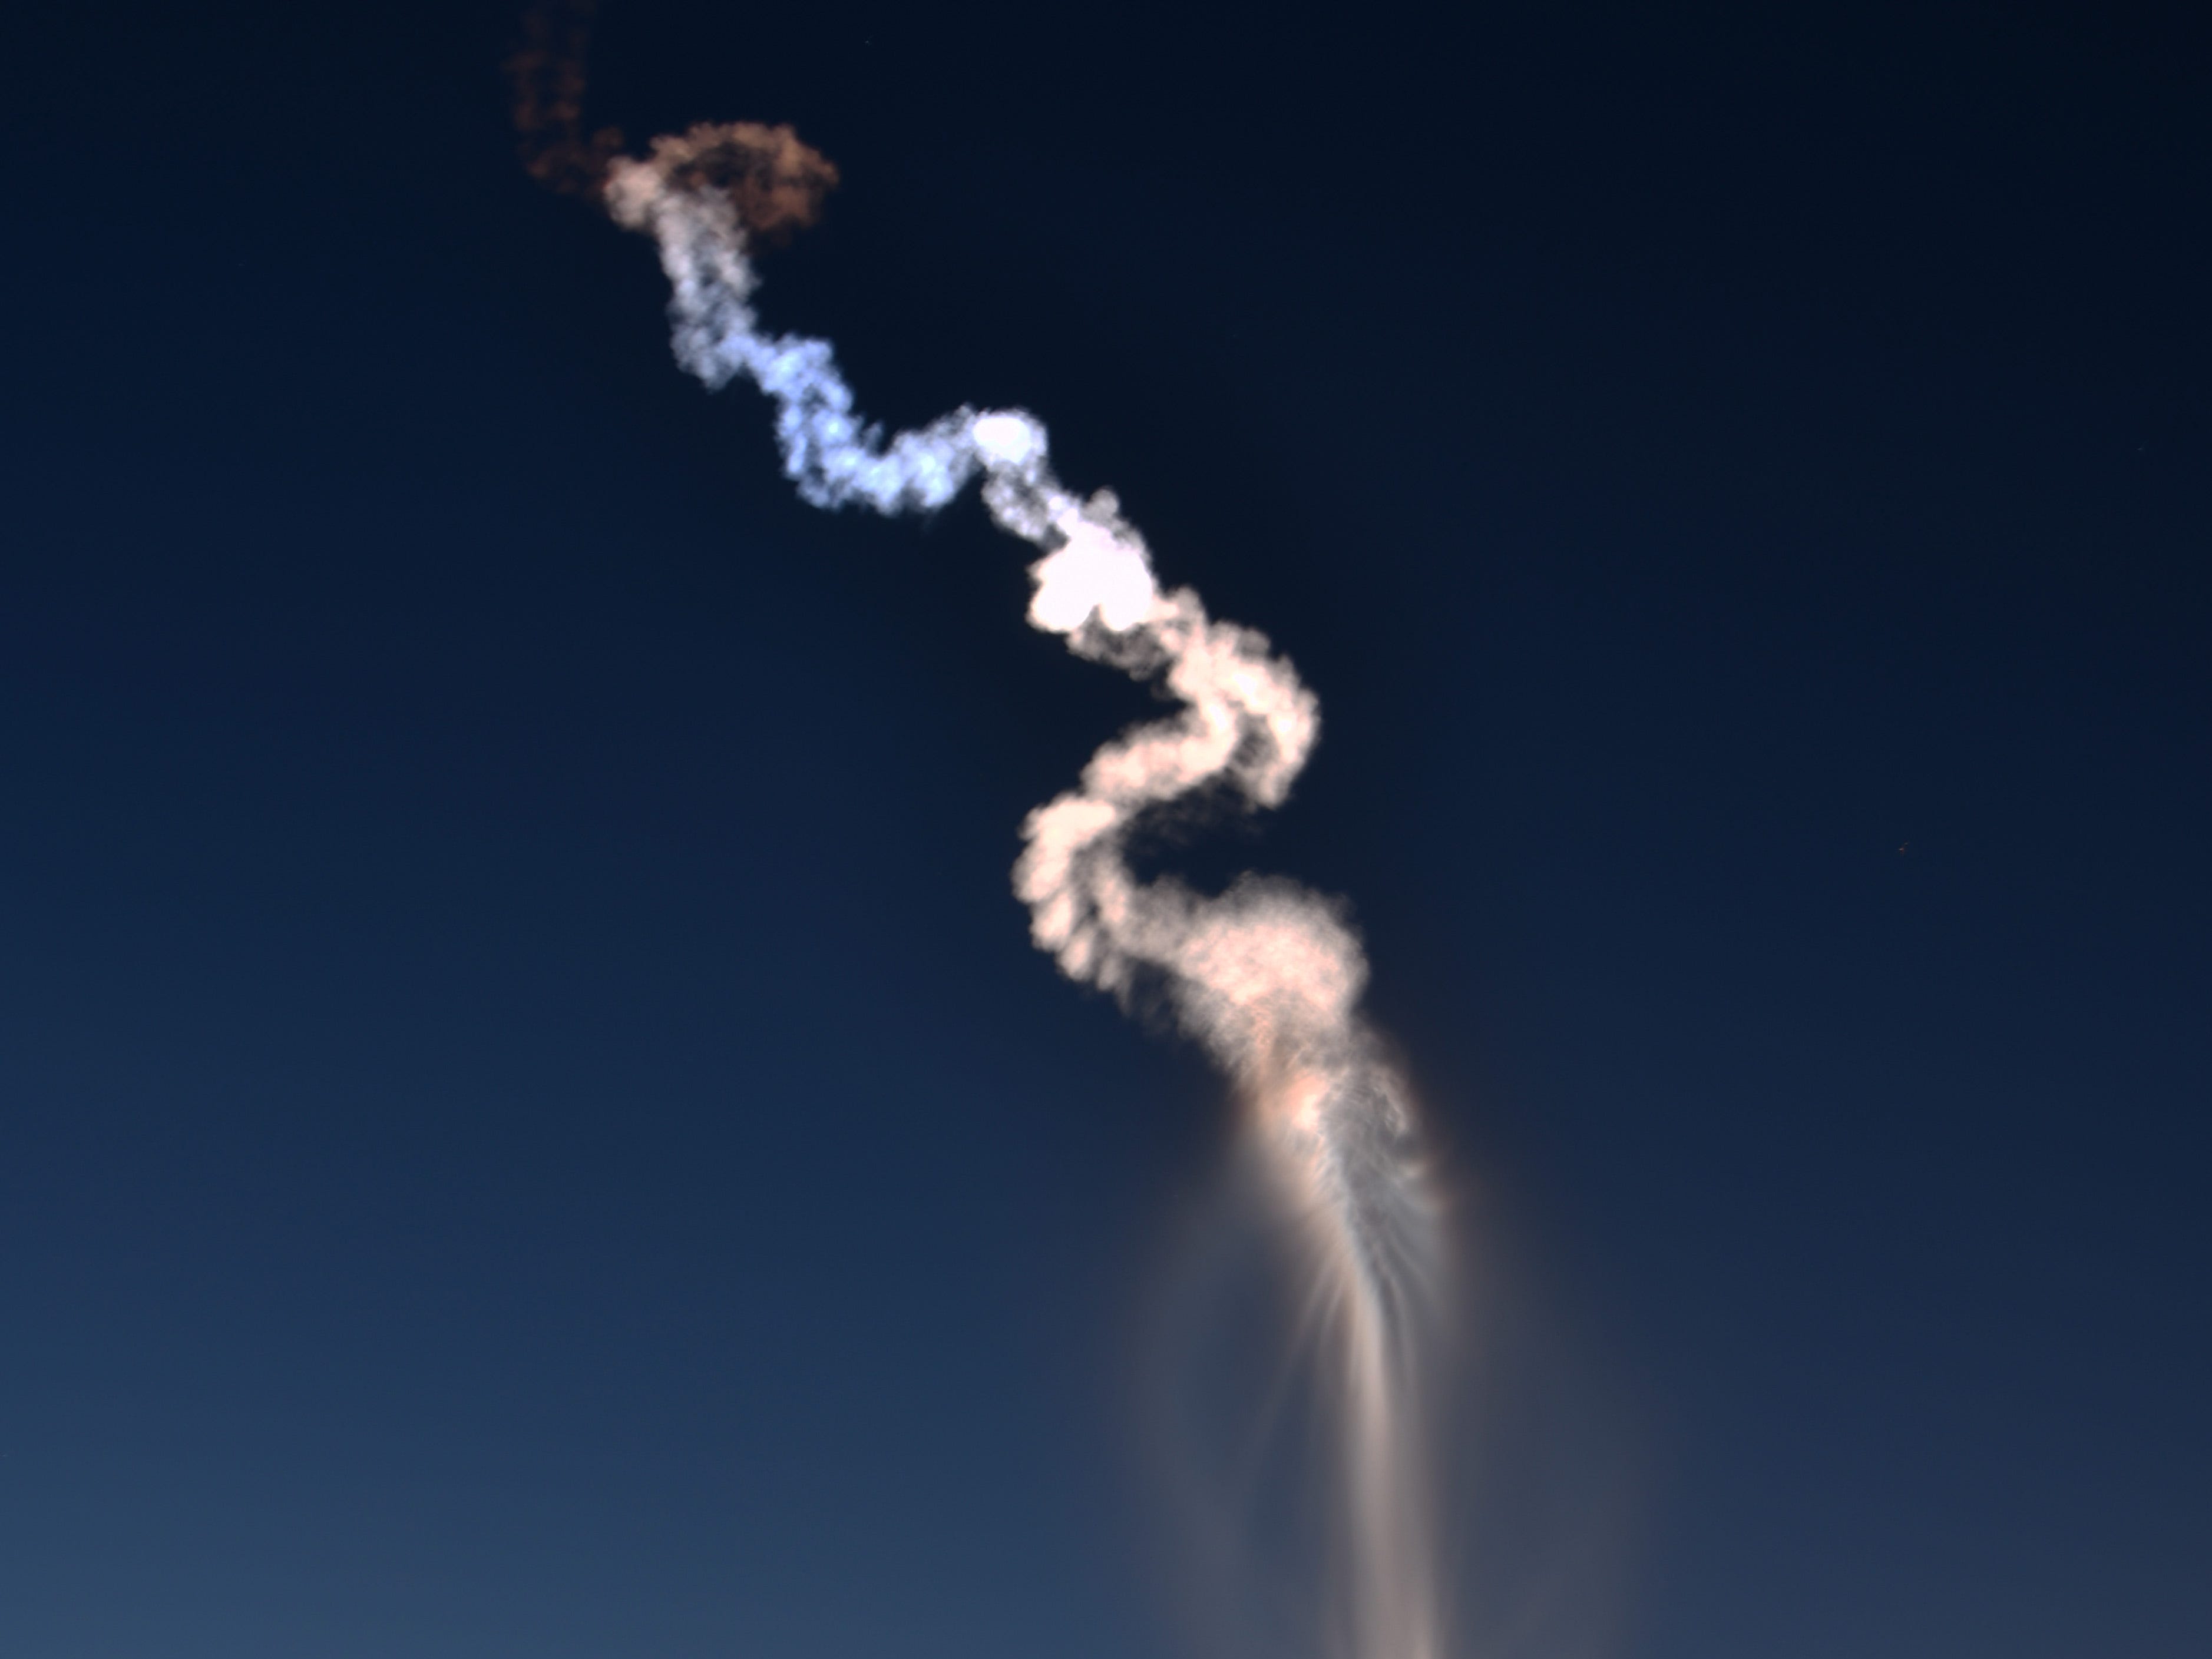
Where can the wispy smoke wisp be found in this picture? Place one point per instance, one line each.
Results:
(547, 71)
(1266, 976)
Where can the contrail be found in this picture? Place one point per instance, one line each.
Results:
(1265, 976)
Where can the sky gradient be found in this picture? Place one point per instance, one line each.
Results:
(531, 1122)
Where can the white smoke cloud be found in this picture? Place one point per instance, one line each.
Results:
(1267, 976)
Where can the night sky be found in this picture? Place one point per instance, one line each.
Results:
(530, 1122)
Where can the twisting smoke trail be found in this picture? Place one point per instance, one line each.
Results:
(1265, 976)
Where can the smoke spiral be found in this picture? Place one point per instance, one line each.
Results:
(1266, 976)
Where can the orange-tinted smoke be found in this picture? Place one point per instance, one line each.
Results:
(776, 182)
(548, 73)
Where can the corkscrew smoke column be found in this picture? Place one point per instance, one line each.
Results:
(1266, 976)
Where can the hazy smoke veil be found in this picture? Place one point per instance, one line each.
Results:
(1266, 976)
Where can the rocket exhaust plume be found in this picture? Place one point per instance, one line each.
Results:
(1266, 976)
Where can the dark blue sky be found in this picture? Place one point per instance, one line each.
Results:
(529, 1122)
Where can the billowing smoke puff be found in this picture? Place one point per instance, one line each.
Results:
(1266, 976)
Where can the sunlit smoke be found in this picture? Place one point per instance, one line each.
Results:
(1266, 976)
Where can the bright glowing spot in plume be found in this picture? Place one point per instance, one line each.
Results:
(1094, 570)
(1011, 441)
